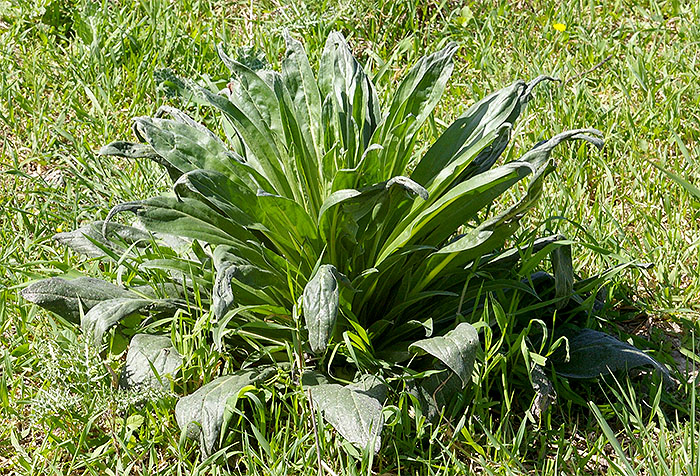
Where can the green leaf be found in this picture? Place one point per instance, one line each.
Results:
(477, 242)
(66, 298)
(336, 198)
(184, 147)
(132, 150)
(108, 313)
(289, 225)
(454, 208)
(485, 238)
(321, 299)
(416, 97)
(304, 170)
(351, 96)
(511, 256)
(480, 120)
(261, 150)
(203, 413)
(482, 152)
(563, 274)
(539, 155)
(185, 217)
(361, 174)
(353, 410)
(457, 349)
(300, 82)
(435, 392)
(236, 278)
(255, 98)
(216, 190)
(83, 239)
(495, 113)
(222, 293)
(358, 215)
(592, 353)
(149, 361)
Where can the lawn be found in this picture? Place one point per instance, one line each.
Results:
(75, 73)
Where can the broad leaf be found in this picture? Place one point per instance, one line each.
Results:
(355, 411)
(261, 149)
(457, 349)
(415, 98)
(351, 96)
(67, 297)
(149, 361)
(202, 414)
(480, 120)
(184, 147)
(435, 392)
(132, 150)
(216, 190)
(563, 274)
(289, 225)
(185, 217)
(593, 353)
(108, 313)
(237, 279)
(321, 300)
(83, 239)
(444, 216)
(254, 97)
(300, 82)
(350, 218)
(485, 238)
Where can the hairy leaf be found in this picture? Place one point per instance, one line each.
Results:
(261, 150)
(202, 414)
(66, 297)
(456, 349)
(300, 82)
(594, 353)
(83, 239)
(483, 118)
(254, 97)
(321, 300)
(185, 147)
(108, 313)
(149, 361)
(351, 96)
(185, 217)
(353, 410)
(415, 99)
(451, 210)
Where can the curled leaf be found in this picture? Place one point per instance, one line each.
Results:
(108, 313)
(456, 349)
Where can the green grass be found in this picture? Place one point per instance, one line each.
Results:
(72, 80)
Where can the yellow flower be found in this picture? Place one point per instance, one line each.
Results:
(59, 229)
(559, 27)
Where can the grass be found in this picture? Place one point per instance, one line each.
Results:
(74, 74)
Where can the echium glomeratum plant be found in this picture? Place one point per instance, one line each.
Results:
(314, 240)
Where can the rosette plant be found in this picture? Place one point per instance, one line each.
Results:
(310, 236)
